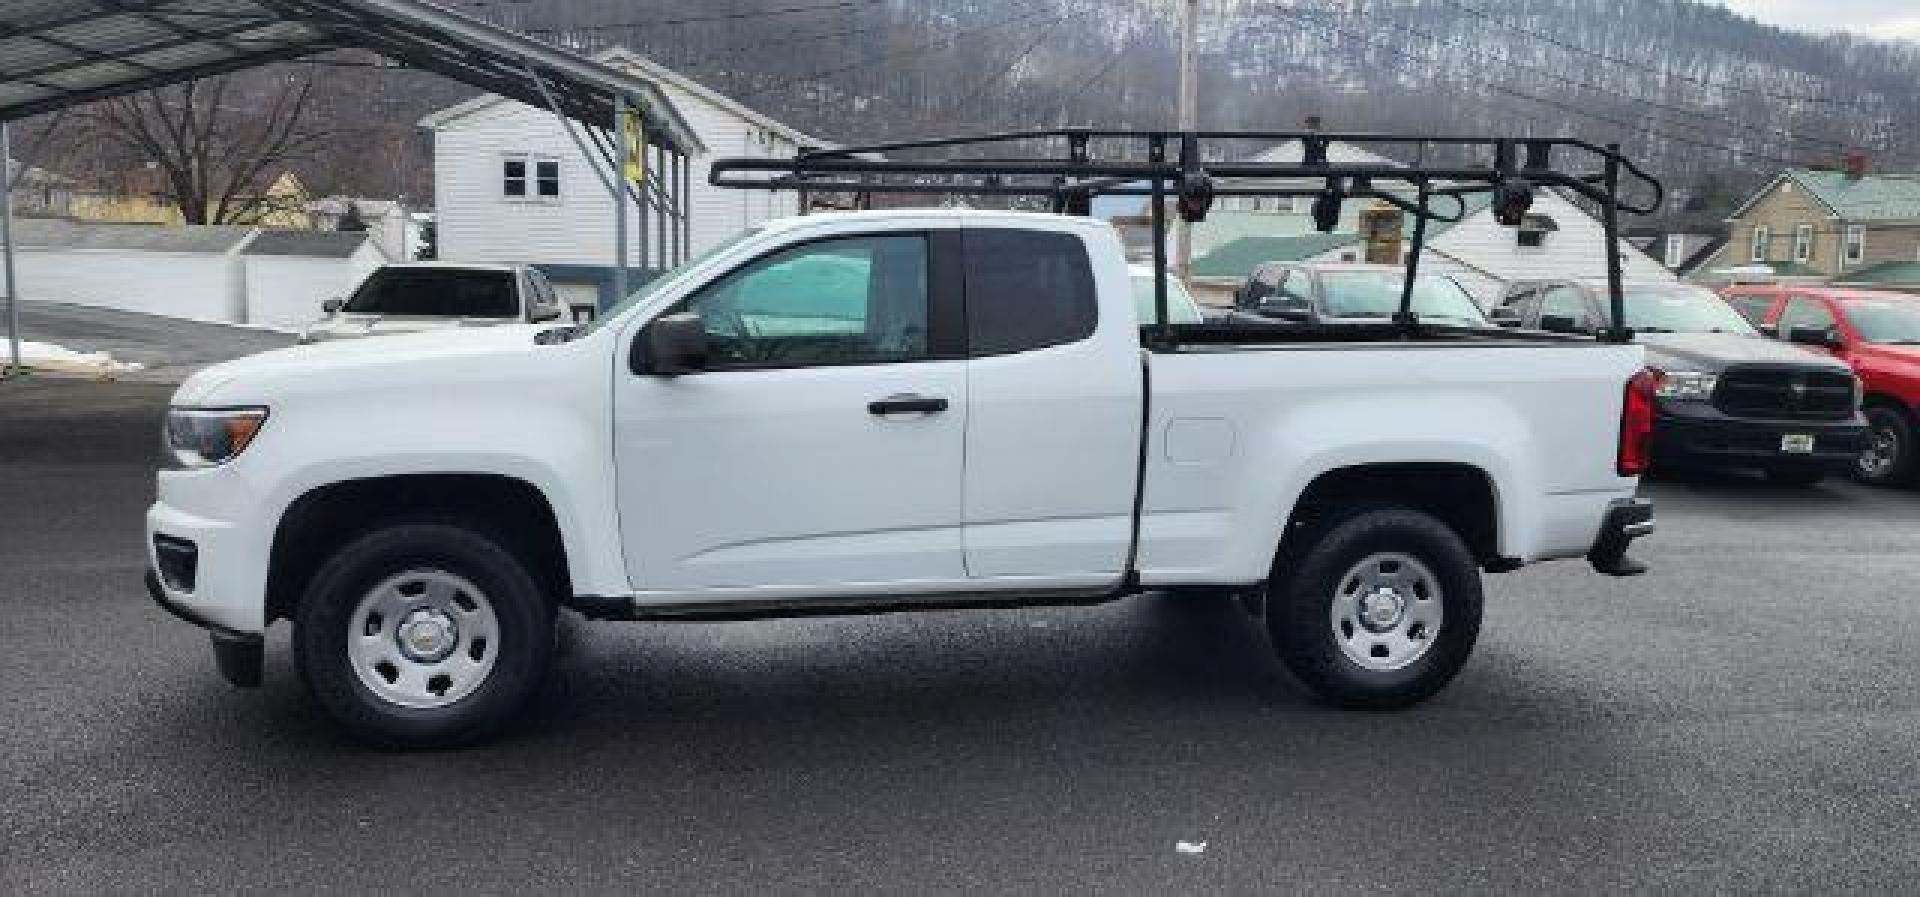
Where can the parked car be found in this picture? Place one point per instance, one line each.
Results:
(1875, 333)
(1327, 293)
(994, 432)
(412, 297)
(1728, 397)
(1181, 308)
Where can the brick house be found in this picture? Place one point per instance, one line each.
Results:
(1827, 224)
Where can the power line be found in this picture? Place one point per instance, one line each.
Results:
(1630, 127)
(788, 82)
(972, 97)
(691, 20)
(1644, 66)
(1597, 88)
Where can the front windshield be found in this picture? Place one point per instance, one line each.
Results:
(1681, 310)
(436, 293)
(664, 280)
(1376, 294)
(1889, 323)
(1181, 309)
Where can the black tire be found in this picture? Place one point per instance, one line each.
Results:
(1796, 475)
(1308, 575)
(1896, 427)
(523, 617)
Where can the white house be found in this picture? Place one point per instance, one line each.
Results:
(510, 185)
(1559, 239)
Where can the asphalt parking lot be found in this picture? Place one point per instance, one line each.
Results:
(1745, 717)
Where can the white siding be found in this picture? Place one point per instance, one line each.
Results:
(195, 285)
(1577, 249)
(477, 223)
(284, 292)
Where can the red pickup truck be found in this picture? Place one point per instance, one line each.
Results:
(1876, 333)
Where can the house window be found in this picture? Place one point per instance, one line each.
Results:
(1855, 247)
(1761, 238)
(1803, 243)
(1534, 230)
(526, 177)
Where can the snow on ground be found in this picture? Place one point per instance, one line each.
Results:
(53, 357)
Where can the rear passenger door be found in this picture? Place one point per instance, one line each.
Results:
(1054, 400)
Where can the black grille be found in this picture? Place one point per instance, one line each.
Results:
(1789, 393)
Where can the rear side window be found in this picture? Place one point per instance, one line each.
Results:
(1026, 290)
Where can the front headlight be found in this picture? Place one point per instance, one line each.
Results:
(1685, 386)
(203, 437)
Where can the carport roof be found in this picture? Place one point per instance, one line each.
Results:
(57, 53)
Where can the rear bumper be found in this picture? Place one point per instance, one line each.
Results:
(1627, 519)
(1736, 442)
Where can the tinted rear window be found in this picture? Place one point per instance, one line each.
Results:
(443, 294)
(1026, 290)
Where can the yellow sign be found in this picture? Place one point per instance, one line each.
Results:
(633, 134)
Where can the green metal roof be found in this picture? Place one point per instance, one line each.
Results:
(1873, 197)
(1884, 273)
(1240, 257)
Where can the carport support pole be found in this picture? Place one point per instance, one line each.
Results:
(14, 369)
(619, 191)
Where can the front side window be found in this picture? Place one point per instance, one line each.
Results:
(856, 300)
(436, 293)
(1856, 244)
(1803, 313)
(1762, 238)
(1569, 303)
(1026, 290)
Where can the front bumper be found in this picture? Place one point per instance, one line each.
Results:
(238, 655)
(1713, 439)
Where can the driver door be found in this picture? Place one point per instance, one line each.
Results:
(820, 451)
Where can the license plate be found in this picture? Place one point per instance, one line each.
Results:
(1797, 444)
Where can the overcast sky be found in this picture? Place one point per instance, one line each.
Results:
(1879, 18)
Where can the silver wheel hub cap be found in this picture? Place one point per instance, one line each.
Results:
(423, 639)
(1386, 611)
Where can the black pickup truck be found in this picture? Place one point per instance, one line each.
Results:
(1728, 397)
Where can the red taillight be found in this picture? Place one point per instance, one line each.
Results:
(1636, 424)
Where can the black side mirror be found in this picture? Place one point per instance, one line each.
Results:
(671, 346)
(584, 313)
(331, 305)
(1561, 324)
(1286, 308)
(1818, 337)
(1505, 317)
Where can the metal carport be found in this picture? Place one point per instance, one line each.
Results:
(59, 53)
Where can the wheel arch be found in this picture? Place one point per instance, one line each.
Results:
(511, 510)
(1463, 496)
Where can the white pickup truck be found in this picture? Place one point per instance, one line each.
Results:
(864, 412)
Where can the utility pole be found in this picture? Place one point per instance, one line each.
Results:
(1189, 102)
(6, 237)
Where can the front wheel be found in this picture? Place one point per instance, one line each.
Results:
(422, 635)
(1378, 609)
(1887, 459)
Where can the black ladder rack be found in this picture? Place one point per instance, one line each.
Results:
(1069, 166)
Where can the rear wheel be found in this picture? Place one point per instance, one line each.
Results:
(423, 635)
(1377, 609)
(1887, 459)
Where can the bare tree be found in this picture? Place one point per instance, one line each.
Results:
(217, 150)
